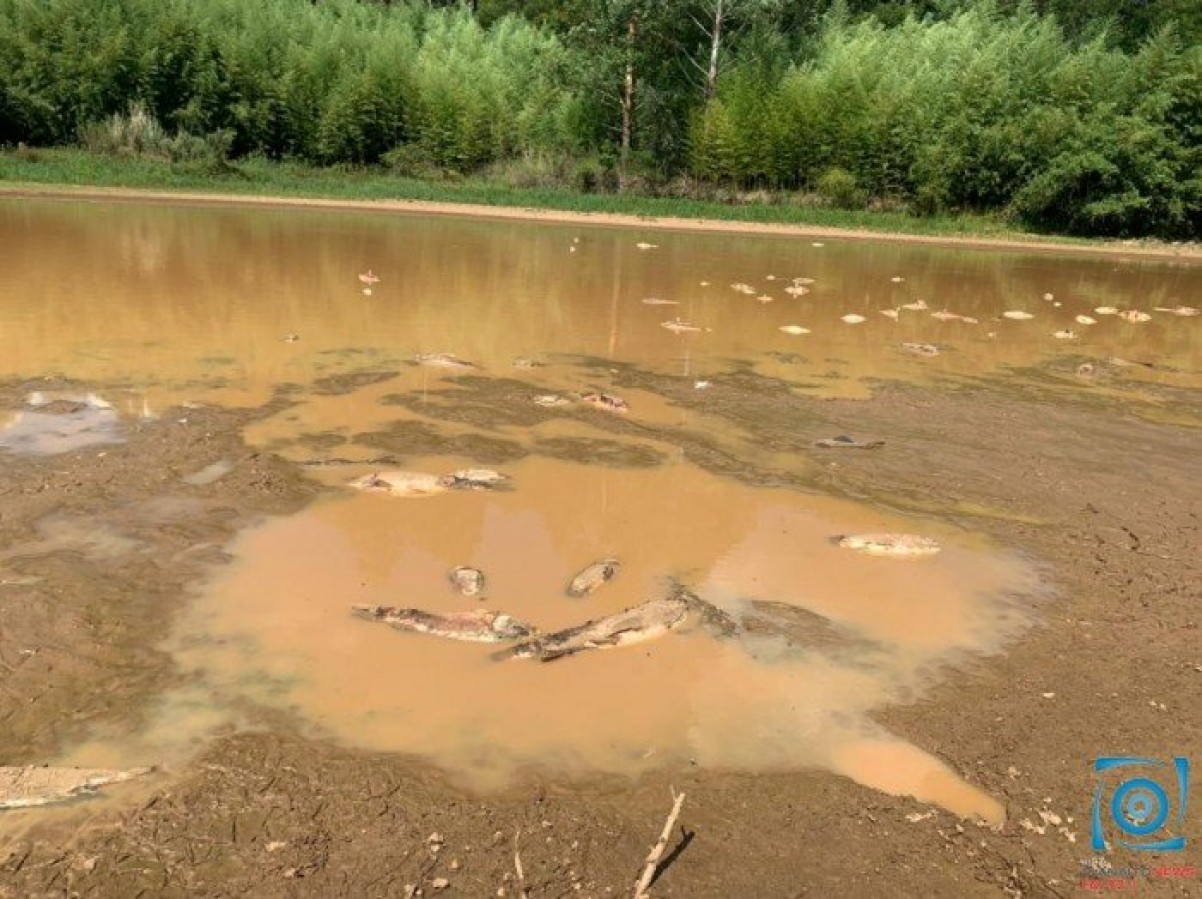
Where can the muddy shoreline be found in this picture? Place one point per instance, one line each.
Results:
(1184, 253)
(1108, 503)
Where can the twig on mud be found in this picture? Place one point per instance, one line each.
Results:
(517, 864)
(657, 851)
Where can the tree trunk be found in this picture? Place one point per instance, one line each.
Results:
(711, 76)
(627, 104)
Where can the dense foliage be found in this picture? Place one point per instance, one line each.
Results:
(1082, 116)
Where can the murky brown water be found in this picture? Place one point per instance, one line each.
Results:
(173, 305)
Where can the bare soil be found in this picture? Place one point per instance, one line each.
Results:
(1108, 502)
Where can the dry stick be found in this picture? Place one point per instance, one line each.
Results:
(517, 864)
(657, 851)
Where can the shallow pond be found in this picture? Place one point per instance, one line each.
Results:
(158, 306)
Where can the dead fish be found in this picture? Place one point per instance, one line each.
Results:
(606, 401)
(643, 245)
(1086, 320)
(917, 306)
(477, 626)
(639, 624)
(656, 301)
(679, 326)
(444, 360)
(521, 362)
(803, 280)
(1049, 297)
(1017, 315)
(894, 314)
(550, 400)
(852, 319)
(1106, 310)
(946, 316)
(369, 278)
(897, 279)
(1065, 334)
(766, 299)
(797, 290)
(401, 483)
(291, 338)
(795, 330)
(898, 545)
(1126, 363)
(593, 577)
(468, 581)
(845, 442)
(475, 479)
(921, 349)
(27, 786)
(1134, 315)
(1183, 311)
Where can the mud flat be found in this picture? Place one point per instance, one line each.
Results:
(180, 554)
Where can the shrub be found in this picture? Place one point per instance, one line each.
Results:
(838, 187)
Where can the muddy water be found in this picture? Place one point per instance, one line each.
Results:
(178, 303)
(276, 627)
(170, 305)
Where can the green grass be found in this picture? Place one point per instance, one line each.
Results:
(258, 177)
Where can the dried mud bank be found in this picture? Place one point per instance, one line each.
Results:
(1186, 252)
(1109, 502)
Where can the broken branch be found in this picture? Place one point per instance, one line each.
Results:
(657, 851)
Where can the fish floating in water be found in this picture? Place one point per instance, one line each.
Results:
(551, 401)
(607, 401)
(1106, 310)
(894, 314)
(592, 577)
(643, 245)
(744, 288)
(917, 306)
(894, 545)
(524, 364)
(401, 483)
(845, 442)
(852, 319)
(444, 360)
(477, 626)
(656, 301)
(679, 326)
(1065, 334)
(945, 316)
(766, 299)
(369, 278)
(921, 349)
(638, 624)
(29, 786)
(417, 483)
(795, 330)
(1017, 315)
(897, 279)
(1086, 320)
(1134, 315)
(797, 290)
(1183, 311)
(468, 581)
(475, 479)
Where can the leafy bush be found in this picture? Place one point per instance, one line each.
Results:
(839, 188)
